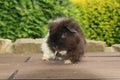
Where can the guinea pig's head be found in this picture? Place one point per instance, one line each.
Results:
(62, 26)
(61, 29)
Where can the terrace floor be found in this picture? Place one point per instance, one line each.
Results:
(93, 66)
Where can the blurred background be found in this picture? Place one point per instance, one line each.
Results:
(99, 19)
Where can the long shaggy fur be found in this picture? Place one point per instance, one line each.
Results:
(65, 39)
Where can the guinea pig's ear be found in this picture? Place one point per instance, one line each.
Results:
(71, 29)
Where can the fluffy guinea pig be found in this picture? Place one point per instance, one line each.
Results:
(65, 41)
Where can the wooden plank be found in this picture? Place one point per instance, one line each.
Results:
(6, 70)
(13, 58)
(101, 59)
(75, 71)
(93, 66)
(102, 54)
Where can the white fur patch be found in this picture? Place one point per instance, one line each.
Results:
(47, 52)
(67, 62)
(63, 52)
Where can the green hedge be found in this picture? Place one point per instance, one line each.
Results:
(28, 18)
(100, 20)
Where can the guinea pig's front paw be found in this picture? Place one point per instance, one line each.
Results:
(45, 59)
(67, 62)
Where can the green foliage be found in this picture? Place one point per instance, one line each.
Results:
(118, 1)
(28, 18)
(100, 20)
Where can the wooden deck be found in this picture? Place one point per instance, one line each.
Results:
(94, 66)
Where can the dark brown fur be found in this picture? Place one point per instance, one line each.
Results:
(73, 43)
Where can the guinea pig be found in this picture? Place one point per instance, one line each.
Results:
(65, 40)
